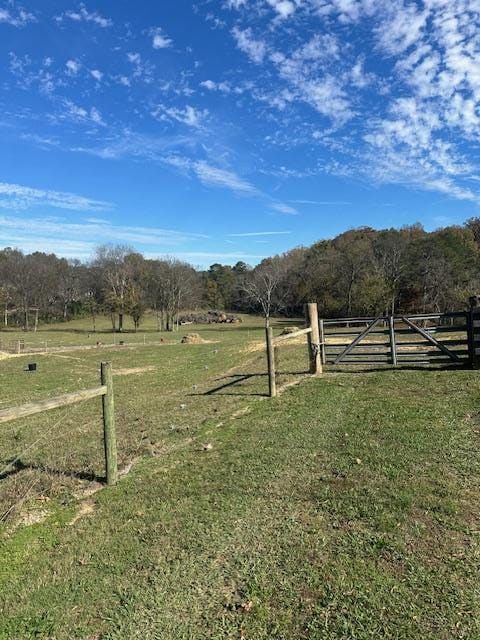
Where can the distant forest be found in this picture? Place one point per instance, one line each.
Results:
(359, 272)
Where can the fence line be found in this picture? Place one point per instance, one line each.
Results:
(313, 333)
(105, 391)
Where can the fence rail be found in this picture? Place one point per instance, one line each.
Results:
(312, 331)
(105, 391)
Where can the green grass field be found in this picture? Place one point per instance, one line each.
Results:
(347, 508)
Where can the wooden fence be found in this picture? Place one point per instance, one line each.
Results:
(22, 347)
(312, 332)
(105, 391)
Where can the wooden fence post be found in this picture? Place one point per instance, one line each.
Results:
(110, 440)
(393, 345)
(314, 339)
(272, 385)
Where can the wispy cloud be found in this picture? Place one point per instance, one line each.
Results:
(159, 39)
(72, 67)
(14, 196)
(76, 113)
(255, 49)
(216, 177)
(16, 16)
(284, 8)
(281, 207)
(189, 115)
(68, 238)
(83, 15)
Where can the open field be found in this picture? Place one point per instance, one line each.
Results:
(80, 333)
(346, 508)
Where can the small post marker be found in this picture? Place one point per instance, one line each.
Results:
(110, 440)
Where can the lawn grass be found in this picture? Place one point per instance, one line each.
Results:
(346, 508)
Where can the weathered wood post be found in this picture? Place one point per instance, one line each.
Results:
(314, 339)
(110, 440)
(272, 384)
(393, 345)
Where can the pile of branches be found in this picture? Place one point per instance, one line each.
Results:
(210, 317)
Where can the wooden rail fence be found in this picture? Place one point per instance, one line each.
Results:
(312, 331)
(105, 391)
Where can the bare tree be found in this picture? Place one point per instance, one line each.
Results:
(119, 266)
(262, 288)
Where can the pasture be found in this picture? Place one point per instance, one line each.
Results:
(345, 508)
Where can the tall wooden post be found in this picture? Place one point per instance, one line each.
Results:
(393, 345)
(110, 440)
(272, 384)
(314, 339)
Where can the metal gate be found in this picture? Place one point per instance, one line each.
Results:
(440, 338)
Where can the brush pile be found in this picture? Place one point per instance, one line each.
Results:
(209, 317)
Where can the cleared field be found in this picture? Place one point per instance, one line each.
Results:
(163, 393)
(346, 508)
(80, 333)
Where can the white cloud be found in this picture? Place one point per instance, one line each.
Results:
(16, 17)
(283, 208)
(15, 196)
(76, 113)
(97, 74)
(160, 40)
(216, 177)
(68, 238)
(235, 4)
(284, 8)
(255, 49)
(189, 115)
(83, 15)
(73, 67)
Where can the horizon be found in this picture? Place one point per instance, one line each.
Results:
(233, 130)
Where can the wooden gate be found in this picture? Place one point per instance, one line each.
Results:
(435, 338)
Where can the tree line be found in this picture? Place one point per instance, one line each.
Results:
(359, 272)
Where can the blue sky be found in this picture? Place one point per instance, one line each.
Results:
(225, 130)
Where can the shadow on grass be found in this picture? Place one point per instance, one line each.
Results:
(242, 377)
(16, 466)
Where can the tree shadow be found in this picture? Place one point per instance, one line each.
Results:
(16, 466)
